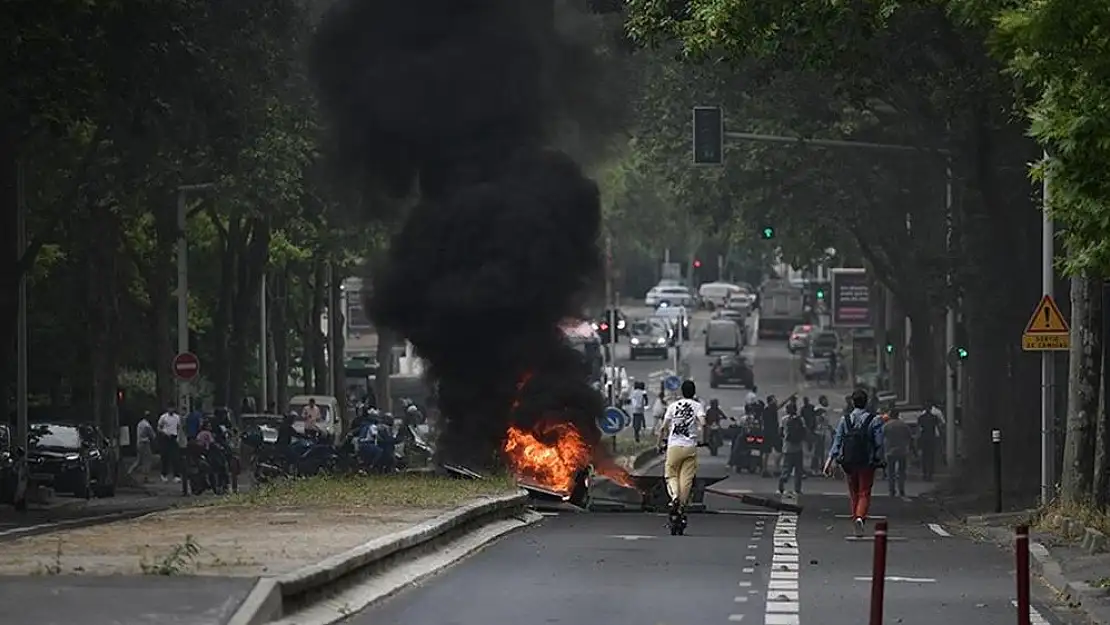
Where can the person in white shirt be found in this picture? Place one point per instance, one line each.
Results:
(168, 425)
(311, 415)
(639, 402)
(144, 447)
(658, 411)
(682, 426)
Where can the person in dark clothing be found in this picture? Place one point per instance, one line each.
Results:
(772, 439)
(927, 426)
(820, 434)
(834, 364)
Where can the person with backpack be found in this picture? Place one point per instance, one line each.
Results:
(794, 438)
(857, 447)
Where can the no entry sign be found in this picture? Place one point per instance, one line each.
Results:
(186, 366)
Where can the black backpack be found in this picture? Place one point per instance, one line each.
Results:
(795, 430)
(857, 450)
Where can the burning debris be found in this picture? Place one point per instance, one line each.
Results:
(459, 101)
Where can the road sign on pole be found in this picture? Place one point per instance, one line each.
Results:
(1047, 330)
(672, 383)
(612, 420)
(186, 366)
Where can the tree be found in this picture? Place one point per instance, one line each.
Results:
(922, 74)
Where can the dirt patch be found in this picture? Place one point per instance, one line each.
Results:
(272, 531)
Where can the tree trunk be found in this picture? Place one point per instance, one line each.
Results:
(1102, 451)
(319, 300)
(386, 341)
(102, 272)
(280, 331)
(1084, 379)
(233, 240)
(923, 356)
(244, 317)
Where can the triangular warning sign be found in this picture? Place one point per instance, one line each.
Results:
(1047, 319)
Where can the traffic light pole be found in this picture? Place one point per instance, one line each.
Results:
(950, 313)
(1048, 372)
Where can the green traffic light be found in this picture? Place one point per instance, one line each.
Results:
(768, 233)
(820, 294)
(962, 353)
(890, 348)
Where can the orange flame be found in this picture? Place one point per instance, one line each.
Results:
(550, 455)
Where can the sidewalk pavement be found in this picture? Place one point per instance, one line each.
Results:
(1081, 580)
(197, 564)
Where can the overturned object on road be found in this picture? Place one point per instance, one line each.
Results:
(763, 502)
(653, 488)
(461, 472)
(543, 496)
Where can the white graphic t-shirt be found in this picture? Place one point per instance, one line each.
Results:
(687, 418)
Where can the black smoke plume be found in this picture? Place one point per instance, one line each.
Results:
(460, 101)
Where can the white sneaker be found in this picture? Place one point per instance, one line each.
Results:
(859, 526)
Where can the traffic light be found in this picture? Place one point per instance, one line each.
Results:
(820, 294)
(889, 347)
(697, 264)
(120, 395)
(768, 233)
(709, 135)
(961, 353)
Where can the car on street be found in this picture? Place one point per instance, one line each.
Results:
(799, 338)
(71, 458)
(670, 295)
(738, 317)
(824, 344)
(731, 369)
(722, 335)
(648, 339)
(678, 316)
(714, 295)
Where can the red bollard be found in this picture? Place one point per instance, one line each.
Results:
(878, 574)
(1021, 556)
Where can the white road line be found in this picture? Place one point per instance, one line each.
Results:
(740, 598)
(1035, 617)
(748, 570)
(939, 531)
(895, 578)
(735, 618)
(745, 584)
(783, 604)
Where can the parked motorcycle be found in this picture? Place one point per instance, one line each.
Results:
(747, 452)
(713, 438)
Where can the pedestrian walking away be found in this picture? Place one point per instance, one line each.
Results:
(793, 445)
(897, 438)
(639, 400)
(658, 411)
(682, 425)
(145, 440)
(857, 447)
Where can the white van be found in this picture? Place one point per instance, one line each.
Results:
(717, 294)
(329, 422)
(722, 335)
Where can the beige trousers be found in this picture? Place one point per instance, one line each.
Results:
(682, 464)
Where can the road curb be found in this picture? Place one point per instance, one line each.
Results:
(276, 597)
(645, 458)
(72, 524)
(1077, 595)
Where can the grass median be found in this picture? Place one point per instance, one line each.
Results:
(275, 529)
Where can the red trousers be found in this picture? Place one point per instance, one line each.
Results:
(859, 491)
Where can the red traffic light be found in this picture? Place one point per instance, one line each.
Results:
(604, 326)
(697, 264)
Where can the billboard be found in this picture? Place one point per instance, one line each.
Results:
(851, 298)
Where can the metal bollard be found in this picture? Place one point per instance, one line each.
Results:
(878, 574)
(1021, 557)
(996, 444)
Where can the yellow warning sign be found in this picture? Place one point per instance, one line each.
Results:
(1047, 330)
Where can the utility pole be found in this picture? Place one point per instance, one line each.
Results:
(949, 329)
(610, 356)
(263, 354)
(183, 285)
(21, 426)
(1048, 373)
(336, 326)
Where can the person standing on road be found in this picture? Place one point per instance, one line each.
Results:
(857, 447)
(658, 411)
(168, 425)
(928, 425)
(896, 439)
(145, 439)
(639, 400)
(794, 438)
(682, 425)
(772, 439)
(820, 434)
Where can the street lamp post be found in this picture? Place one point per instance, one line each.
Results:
(183, 386)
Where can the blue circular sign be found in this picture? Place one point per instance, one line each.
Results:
(612, 421)
(672, 383)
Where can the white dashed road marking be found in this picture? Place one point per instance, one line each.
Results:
(1035, 617)
(895, 578)
(939, 531)
(783, 605)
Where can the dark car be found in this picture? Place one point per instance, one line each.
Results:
(603, 328)
(731, 369)
(71, 458)
(13, 472)
(648, 339)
